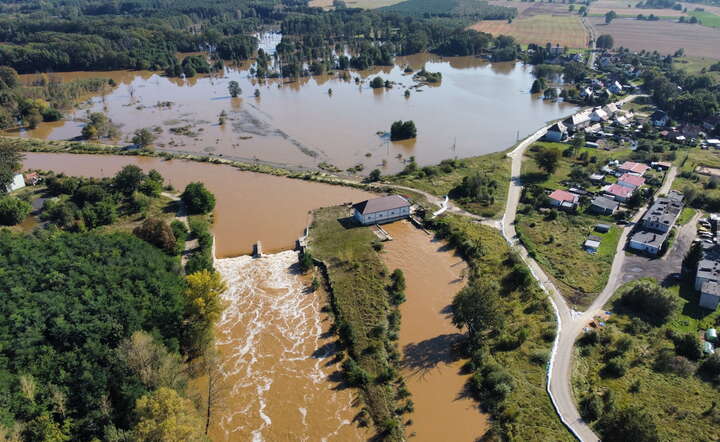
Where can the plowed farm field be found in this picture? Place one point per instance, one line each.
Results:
(663, 36)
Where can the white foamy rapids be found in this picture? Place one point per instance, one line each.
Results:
(267, 334)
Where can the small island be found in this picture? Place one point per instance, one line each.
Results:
(403, 130)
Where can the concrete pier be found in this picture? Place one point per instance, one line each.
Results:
(257, 250)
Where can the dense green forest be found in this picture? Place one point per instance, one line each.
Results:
(90, 35)
(69, 300)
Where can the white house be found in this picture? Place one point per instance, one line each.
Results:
(382, 210)
(18, 183)
(599, 115)
(556, 132)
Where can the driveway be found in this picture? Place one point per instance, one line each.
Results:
(637, 266)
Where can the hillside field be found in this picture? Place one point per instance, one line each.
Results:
(540, 29)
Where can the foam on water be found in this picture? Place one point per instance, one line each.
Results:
(269, 336)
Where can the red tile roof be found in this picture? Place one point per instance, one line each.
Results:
(618, 190)
(635, 180)
(562, 195)
(634, 167)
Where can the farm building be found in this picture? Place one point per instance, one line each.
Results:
(382, 210)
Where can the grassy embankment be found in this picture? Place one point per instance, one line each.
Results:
(521, 348)
(364, 318)
(678, 399)
(442, 179)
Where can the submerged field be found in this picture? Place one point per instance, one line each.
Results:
(567, 31)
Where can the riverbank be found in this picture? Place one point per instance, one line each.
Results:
(366, 322)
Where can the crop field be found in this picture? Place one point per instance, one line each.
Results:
(540, 29)
(628, 9)
(364, 4)
(663, 36)
(529, 9)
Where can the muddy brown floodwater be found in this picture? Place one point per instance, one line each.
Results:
(250, 206)
(479, 107)
(434, 274)
(278, 358)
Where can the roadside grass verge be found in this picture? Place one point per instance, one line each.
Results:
(522, 347)
(685, 216)
(557, 245)
(443, 178)
(677, 398)
(363, 315)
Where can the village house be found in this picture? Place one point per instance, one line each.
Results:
(604, 206)
(711, 123)
(659, 118)
(661, 165)
(611, 109)
(615, 88)
(563, 199)
(618, 192)
(633, 167)
(382, 210)
(557, 132)
(654, 228)
(32, 178)
(598, 115)
(577, 121)
(631, 181)
(18, 183)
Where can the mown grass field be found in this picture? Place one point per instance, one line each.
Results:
(557, 245)
(680, 405)
(694, 65)
(533, 415)
(442, 180)
(540, 29)
(358, 279)
(707, 18)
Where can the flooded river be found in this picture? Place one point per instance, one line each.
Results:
(478, 108)
(250, 206)
(278, 358)
(434, 275)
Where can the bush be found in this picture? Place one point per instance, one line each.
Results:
(377, 83)
(591, 407)
(616, 367)
(648, 300)
(688, 345)
(13, 210)
(158, 233)
(627, 423)
(711, 367)
(539, 357)
(354, 374)
(198, 199)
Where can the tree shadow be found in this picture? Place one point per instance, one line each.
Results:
(325, 351)
(424, 356)
(532, 178)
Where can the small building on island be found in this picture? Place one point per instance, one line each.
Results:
(382, 210)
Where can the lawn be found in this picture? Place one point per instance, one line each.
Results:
(694, 65)
(533, 417)
(680, 405)
(442, 179)
(540, 29)
(557, 245)
(358, 280)
(687, 178)
(707, 18)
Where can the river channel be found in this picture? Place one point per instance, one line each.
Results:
(477, 108)
(428, 340)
